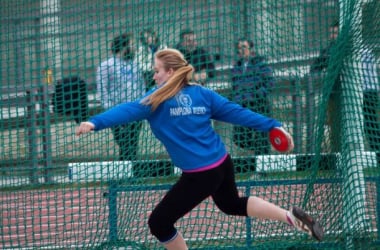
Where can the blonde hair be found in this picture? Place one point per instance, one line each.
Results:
(171, 59)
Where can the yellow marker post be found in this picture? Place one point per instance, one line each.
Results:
(48, 73)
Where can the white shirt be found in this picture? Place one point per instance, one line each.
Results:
(118, 81)
(369, 70)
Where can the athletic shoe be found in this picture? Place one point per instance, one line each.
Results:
(304, 222)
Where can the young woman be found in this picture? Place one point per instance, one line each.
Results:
(179, 113)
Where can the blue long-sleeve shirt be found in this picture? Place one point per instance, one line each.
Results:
(183, 124)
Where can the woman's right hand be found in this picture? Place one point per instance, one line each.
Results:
(84, 128)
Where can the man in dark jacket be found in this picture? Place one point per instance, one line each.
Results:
(319, 68)
(197, 56)
(252, 81)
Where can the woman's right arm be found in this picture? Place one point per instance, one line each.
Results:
(121, 114)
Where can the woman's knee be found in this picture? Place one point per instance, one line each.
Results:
(160, 228)
(154, 224)
(237, 207)
(228, 209)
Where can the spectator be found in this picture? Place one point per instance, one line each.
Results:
(370, 99)
(252, 81)
(119, 80)
(319, 66)
(148, 45)
(197, 56)
(322, 61)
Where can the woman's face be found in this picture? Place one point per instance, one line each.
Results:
(161, 75)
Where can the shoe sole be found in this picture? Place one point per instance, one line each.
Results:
(306, 219)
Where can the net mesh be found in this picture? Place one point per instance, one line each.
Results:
(97, 191)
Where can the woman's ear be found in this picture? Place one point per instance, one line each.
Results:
(170, 71)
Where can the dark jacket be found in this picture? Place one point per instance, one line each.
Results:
(200, 59)
(251, 81)
(321, 63)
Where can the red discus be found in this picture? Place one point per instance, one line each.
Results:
(279, 140)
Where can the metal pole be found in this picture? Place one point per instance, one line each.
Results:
(32, 135)
(46, 135)
(297, 105)
(310, 112)
(42, 99)
(112, 217)
(50, 42)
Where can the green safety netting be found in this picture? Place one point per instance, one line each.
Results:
(59, 191)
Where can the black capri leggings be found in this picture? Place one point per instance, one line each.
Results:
(190, 190)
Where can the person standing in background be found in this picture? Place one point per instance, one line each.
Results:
(370, 100)
(320, 64)
(197, 56)
(252, 81)
(119, 79)
(319, 68)
(149, 43)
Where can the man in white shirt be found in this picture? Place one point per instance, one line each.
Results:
(119, 79)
